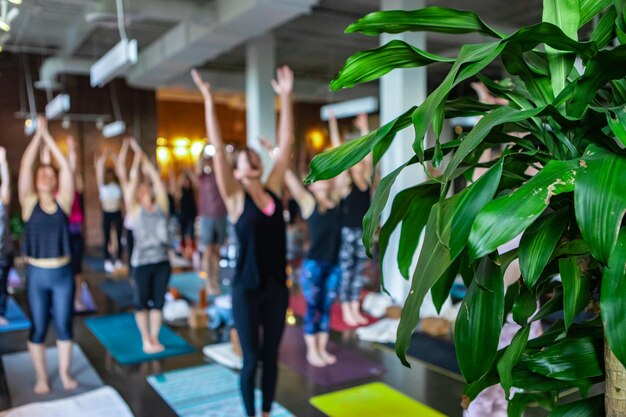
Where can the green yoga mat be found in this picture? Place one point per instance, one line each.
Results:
(375, 399)
(206, 390)
(188, 285)
(120, 336)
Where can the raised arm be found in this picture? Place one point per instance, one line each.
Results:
(120, 163)
(333, 129)
(159, 188)
(65, 195)
(361, 122)
(99, 165)
(304, 199)
(25, 182)
(5, 187)
(133, 180)
(283, 86)
(226, 182)
(72, 157)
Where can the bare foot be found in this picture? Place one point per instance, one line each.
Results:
(328, 358)
(3, 321)
(360, 319)
(314, 359)
(79, 306)
(148, 347)
(41, 387)
(68, 382)
(349, 320)
(157, 346)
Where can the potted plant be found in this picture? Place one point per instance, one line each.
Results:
(569, 213)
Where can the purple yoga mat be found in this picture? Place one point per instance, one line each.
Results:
(350, 366)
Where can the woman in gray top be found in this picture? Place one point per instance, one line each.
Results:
(148, 207)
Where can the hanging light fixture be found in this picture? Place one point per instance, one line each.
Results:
(16, 1)
(6, 15)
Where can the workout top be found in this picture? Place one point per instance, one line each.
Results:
(354, 207)
(210, 203)
(76, 214)
(47, 235)
(110, 197)
(262, 256)
(6, 242)
(188, 208)
(325, 233)
(151, 237)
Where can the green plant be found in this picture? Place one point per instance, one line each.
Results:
(570, 212)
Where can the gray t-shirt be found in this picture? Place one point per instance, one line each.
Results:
(151, 238)
(6, 241)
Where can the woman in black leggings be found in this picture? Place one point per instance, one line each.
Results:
(46, 200)
(260, 296)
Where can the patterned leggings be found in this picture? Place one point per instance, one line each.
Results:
(352, 258)
(319, 282)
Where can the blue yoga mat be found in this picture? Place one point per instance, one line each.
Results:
(16, 317)
(121, 292)
(207, 390)
(120, 336)
(188, 285)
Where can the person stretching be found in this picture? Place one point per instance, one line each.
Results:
(321, 272)
(259, 292)
(6, 241)
(46, 201)
(148, 208)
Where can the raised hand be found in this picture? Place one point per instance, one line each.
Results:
(361, 122)
(42, 124)
(283, 84)
(203, 86)
(134, 145)
(3, 154)
(71, 143)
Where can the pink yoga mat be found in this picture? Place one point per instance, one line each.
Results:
(350, 366)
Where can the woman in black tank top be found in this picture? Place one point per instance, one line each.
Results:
(46, 200)
(259, 294)
(355, 189)
(320, 271)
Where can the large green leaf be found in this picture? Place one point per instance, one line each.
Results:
(510, 358)
(600, 199)
(605, 29)
(569, 360)
(538, 243)
(618, 124)
(370, 65)
(576, 293)
(435, 257)
(428, 19)
(587, 407)
(331, 163)
(504, 218)
(525, 306)
(612, 305)
(590, 8)
(566, 15)
(479, 322)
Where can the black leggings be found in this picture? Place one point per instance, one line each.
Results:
(5, 267)
(130, 244)
(50, 290)
(108, 219)
(253, 310)
(151, 285)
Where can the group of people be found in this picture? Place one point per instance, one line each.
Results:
(223, 188)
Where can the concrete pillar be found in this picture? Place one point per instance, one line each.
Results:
(399, 90)
(260, 109)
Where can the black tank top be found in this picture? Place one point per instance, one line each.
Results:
(325, 233)
(188, 207)
(262, 246)
(354, 207)
(47, 235)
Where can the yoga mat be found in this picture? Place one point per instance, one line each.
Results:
(20, 376)
(207, 391)
(16, 317)
(121, 292)
(375, 399)
(351, 366)
(120, 336)
(433, 350)
(87, 299)
(223, 354)
(188, 285)
(298, 305)
(95, 264)
(101, 402)
(14, 279)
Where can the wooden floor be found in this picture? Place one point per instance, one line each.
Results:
(421, 382)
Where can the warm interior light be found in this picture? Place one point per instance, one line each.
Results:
(163, 155)
(316, 139)
(180, 142)
(28, 122)
(161, 142)
(209, 151)
(196, 148)
(181, 151)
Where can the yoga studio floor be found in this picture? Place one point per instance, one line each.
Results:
(435, 388)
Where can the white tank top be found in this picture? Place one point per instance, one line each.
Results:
(111, 197)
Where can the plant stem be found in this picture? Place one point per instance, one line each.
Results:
(615, 396)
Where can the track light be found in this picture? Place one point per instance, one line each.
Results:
(15, 1)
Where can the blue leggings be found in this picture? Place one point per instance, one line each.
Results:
(50, 290)
(319, 281)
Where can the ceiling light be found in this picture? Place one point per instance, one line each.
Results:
(15, 1)
(4, 26)
(350, 108)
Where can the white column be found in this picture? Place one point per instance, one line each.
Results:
(260, 109)
(399, 90)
